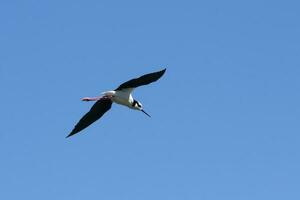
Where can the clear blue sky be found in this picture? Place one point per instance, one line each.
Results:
(225, 117)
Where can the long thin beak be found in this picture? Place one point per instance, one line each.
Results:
(146, 113)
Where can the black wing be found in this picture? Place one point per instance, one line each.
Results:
(143, 80)
(97, 110)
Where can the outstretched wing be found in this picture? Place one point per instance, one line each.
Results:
(143, 80)
(97, 111)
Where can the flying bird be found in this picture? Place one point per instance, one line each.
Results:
(122, 95)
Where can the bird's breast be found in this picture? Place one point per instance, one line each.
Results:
(123, 98)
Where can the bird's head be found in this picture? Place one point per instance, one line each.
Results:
(138, 106)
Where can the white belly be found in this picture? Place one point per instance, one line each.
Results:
(121, 97)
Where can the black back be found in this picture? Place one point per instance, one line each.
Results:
(97, 111)
(143, 80)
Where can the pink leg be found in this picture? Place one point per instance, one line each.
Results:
(91, 98)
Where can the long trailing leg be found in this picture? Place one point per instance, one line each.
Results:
(91, 98)
(95, 98)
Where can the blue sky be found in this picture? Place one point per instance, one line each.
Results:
(225, 117)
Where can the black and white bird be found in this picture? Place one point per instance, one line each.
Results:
(122, 95)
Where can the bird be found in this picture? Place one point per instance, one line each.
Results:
(121, 95)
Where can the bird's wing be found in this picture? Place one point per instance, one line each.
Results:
(143, 80)
(97, 110)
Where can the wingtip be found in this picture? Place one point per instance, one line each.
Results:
(163, 71)
(70, 134)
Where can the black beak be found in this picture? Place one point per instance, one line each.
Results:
(146, 113)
